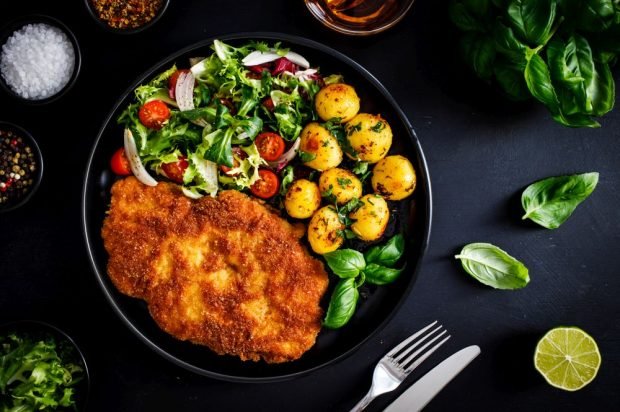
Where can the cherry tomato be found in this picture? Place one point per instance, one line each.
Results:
(119, 163)
(172, 82)
(270, 146)
(174, 170)
(238, 153)
(267, 186)
(154, 114)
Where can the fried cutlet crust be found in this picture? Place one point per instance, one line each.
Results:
(225, 272)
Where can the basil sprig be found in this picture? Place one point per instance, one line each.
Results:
(493, 267)
(550, 202)
(354, 269)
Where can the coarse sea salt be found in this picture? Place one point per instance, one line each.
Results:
(37, 61)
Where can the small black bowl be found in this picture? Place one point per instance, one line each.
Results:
(20, 22)
(41, 330)
(29, 140)
(107, 27)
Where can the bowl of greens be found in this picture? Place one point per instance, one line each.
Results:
(41, 368)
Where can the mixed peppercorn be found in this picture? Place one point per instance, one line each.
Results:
(18, 167)
(127, 14)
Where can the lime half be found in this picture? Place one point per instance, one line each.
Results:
(568, 358)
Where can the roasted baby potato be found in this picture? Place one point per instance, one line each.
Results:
(341, 184)
(302, 199)
(370, 219)
(337, 100)
(394, 177)
(324, 230)
(318, 143)
(370, 136)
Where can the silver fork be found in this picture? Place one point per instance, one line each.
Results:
(398, 363)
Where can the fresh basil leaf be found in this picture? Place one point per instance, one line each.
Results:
(345, 263)
(507, 44)
(595, 15)
(602, 90)
(538, 80)
(532, 19)
(381, 275)
(511, 80)
(493, 267)
(549, 202)
(388, 253)
(342, 304)
(478, 51)
(572, 66)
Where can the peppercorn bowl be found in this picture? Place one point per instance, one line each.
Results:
(123, 17)
(21, 166)
(49, 68)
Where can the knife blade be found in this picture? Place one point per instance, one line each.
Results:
(418, 395)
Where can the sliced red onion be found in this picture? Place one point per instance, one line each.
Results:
(184, 91)
(258, 57)
(131, 151)
(286, 157)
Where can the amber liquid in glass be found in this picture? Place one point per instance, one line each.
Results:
(364, 14)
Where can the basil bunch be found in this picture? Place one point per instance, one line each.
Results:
(375, 266)
(558, 51)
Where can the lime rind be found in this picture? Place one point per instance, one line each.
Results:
(568, 358)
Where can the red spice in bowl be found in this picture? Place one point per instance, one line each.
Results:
(126, 14)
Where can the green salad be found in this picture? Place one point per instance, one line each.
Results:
(185, 123)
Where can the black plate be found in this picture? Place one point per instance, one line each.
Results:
(412, 216)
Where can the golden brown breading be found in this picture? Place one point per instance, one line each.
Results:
(224, 272)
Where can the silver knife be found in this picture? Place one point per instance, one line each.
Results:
(420, 393)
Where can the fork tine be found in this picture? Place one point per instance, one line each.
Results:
(414, 345)
(408, 340)
(426, 355)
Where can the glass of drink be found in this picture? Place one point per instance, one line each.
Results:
(359, 17)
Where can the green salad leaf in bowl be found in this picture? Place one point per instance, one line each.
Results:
(39, 372)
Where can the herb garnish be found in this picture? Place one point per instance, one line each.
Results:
(376, 267)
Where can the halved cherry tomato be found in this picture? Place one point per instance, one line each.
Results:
(270, 146)
(154, 114)
(119, 163)
(267, 186)
(172, 82)
(175, 170)
(238, 153)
